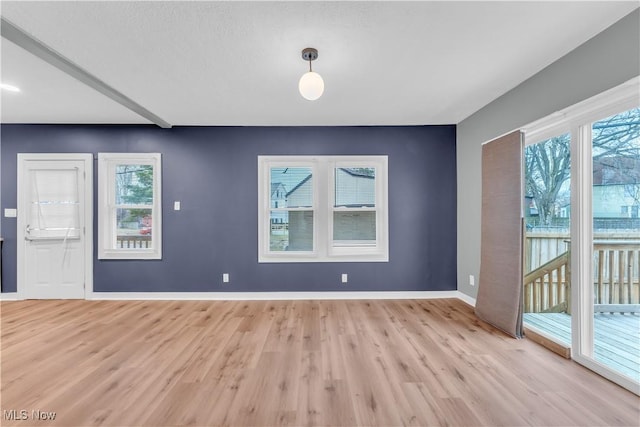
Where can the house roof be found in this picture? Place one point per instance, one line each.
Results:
(351, 171)
(357, 173)
(300, 184)
(275, 186)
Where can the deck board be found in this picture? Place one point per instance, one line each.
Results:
(616, 337)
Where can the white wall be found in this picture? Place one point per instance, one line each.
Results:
(607, 60)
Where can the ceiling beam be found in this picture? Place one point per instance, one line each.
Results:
(16, 35)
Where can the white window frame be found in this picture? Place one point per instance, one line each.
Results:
(107, 163)
(324, 249)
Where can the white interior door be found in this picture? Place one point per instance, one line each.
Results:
(54, 225)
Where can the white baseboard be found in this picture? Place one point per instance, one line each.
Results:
(9, 296)
(264, 296)
(466, 298)
(274, 296)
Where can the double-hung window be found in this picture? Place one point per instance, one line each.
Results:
(129, 206)
(322, 209)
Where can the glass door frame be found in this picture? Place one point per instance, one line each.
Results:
(578, 119)
(582, 289)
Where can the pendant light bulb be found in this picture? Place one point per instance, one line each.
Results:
(311, 85)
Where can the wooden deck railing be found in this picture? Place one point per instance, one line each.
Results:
(616, 271)
(547, 288)
(133, 242)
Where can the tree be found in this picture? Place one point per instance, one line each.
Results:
(547, 166)
(135, 187)
(139, 189)
(615, 141)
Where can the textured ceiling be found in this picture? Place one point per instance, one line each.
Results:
(238, 63)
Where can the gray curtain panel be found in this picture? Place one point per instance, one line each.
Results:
(499, 300)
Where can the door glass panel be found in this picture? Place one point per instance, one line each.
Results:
(616, 242)
(547, 285)
(53, 204)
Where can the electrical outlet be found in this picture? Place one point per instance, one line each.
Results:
(345, 277)
(176, 205)
(225, 278)
(472, 280)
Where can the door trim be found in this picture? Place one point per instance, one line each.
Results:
(87, 158)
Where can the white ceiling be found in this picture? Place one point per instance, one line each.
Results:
(238, 63)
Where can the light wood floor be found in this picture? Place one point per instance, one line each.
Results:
(302, 363)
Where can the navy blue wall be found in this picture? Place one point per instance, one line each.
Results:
(213, 172)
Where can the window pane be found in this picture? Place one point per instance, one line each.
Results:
(547, 203)
(355, 226)
(616, 242)
(134, 228)
(291, 188)
(134, 184)
(291, 231)
(355, 187)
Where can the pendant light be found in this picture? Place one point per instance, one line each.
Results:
(311, 84)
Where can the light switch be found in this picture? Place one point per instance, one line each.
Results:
(10, 213)
(176, 206)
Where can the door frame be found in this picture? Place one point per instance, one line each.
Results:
(577, 120)
(87, 158)
(582, 320)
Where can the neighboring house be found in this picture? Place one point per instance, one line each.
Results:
(616, 187)
(301, 195)
(616, 192)
(354, 188)
(530, 208)
(301, 222)
(615, 201)
(565, 210)
(278, 200)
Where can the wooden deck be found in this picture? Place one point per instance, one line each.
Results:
(616, 338)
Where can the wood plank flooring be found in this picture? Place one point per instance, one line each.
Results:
(294, 363)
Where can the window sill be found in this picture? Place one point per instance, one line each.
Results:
(329, 258)
(132, 254)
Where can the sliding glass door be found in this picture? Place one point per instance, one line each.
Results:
(587, 298)
(615, 152)
(605, 243)
(547, 213)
